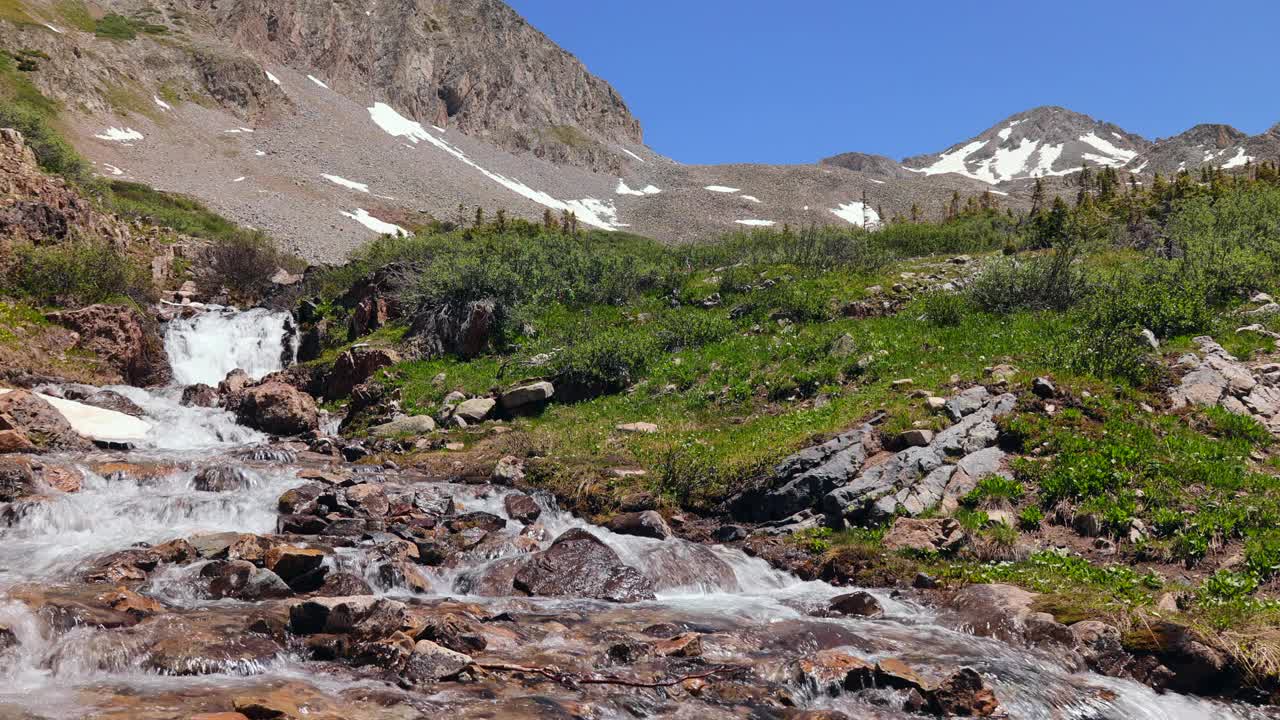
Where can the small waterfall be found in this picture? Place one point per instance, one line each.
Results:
(205, 347)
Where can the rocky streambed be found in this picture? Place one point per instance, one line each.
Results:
(212, 571)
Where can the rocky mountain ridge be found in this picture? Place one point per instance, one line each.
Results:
(325, 125)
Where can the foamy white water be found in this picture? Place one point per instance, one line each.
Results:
(205, 347)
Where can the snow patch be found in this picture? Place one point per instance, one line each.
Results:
(632, 154)
(1118, 156)
(721, 189)
(1240, 160)
(53, 28)
(116, 134)
(271, 77)
(162, 104)
(362, 187)
(1140, 168)
(878, 182)
(856, 213)
(381, 227)
(113, 169)
(258, 153)
(623, 189)
(239, 179)
(237, 131)
(317, 81)
(756, 223)
(1048, 155)
(751, 198)
(97, 423)
(596, 213)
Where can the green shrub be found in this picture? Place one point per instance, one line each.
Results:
(946, 309)
(78, 273)
(1226, 424)
(118, 27)
(1008, 285)
(995, 487)
(1262, 555)
(691, 328)
(23, 108)
(1030, 518)
(605, 363)
(1227, 586)
(180, 212)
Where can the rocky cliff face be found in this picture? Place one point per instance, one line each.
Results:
(1213, 145)
(473, 65)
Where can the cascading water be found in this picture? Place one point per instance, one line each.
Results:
(61, 665)
(207, 346)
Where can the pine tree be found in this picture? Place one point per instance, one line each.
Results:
(500, 220)
(479, 216)
(549, 220)
(1037, 197)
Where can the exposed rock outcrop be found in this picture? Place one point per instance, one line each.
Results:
(122, 337)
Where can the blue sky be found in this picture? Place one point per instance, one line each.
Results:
(716, 81)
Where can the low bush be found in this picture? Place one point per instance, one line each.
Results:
(1009, 285)
(243, 264)
(604, 363)
(946, 309)
(78, 273)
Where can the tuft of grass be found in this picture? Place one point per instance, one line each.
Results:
(76, 14)
(23, 107)
(13, 11)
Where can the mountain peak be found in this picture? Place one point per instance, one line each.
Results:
(1043, 141)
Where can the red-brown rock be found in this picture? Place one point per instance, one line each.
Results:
(121, 337)
(277, 408)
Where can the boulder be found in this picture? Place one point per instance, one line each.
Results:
(199, 395)
(413, 425)
(528, 396)
(965, 694)
(341, 584)
(17, 478)
(121, 336)
(39, 422)
(1043, 388)
(916, 438)
(14, 441)
(521, 508)
(277, 408)
(646, 523)
(430, 662)
(967, 402)
(475, 410)
(578, 564)
(647, 428)
(242, 580)
(356, 366)
(293, 564)
(368, 499)
(508, 471)
(366, 616)
(1005, 612)
(932, 535)
(112, 400)
(462, 329)
(860, 604)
